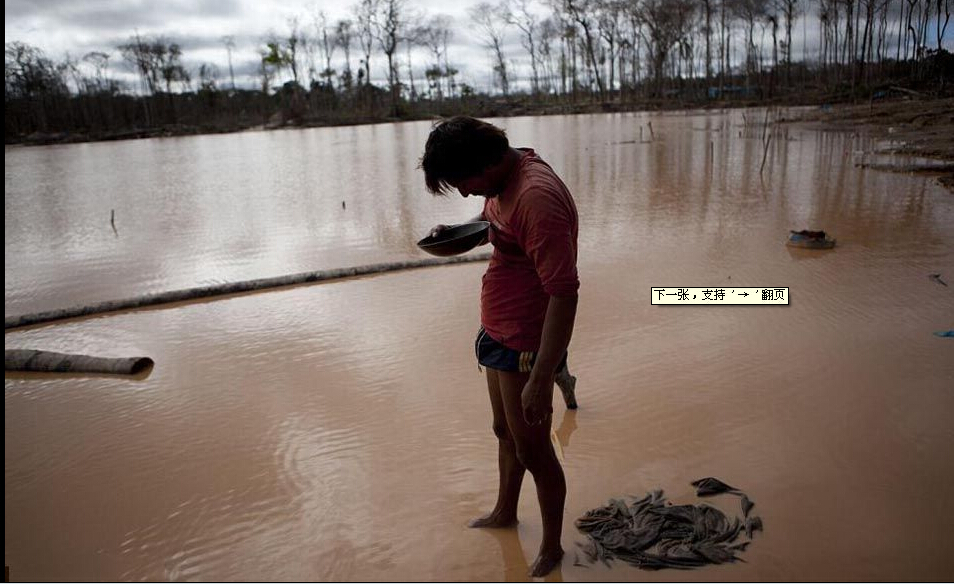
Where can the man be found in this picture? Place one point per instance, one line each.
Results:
(528, 305)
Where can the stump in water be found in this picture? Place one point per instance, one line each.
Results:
(51, 362)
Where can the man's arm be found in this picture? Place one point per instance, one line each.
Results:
(480, 217)
(557, 331)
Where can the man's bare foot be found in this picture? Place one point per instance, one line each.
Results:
(493, 520)
(545, 563)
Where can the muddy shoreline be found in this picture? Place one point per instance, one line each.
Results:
(908, 126)
(936, 114)
(924, 126)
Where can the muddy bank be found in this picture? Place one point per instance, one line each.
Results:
(918, 126)
(833, 111)
(910, 125)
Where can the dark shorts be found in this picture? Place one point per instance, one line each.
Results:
(494, 355)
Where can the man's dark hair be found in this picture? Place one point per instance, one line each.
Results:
(459, 148)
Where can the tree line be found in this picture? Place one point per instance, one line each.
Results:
(574, 55)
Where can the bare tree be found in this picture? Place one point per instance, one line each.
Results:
(634, 41)
(609, 17)
(751, 12)
(29, 73)
(871, 9)
(100, 63)
(492, 22)
(309, 47)
(412, 33)
(364, 13)
(434, 36)
(37, 83)
(882, 32)
(343, 35)
(450, 73)
(707, 31)
(828, 23)
(157, 60)
(549, 31)
(327, 43)
(526, 21)
(229, 42)
(582, 13)
(847, 50)
(664, 24)
(790, 11)
(754, 13)
(584, 48)
(900, 29)
(921, 36)
(567, 34)
(909, 29)
(292, 42)
(725, 62)
(773, 20)
(268, 66)
(208, 75)
(139, 55)
(170, 59)
(387, 31)
(941, 30)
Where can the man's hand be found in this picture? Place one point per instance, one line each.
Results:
(438, 229)
(537, 398)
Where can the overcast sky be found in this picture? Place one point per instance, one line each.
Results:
(81, 26)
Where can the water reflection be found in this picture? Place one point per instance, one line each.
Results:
(566, 429)
(515, 564)
(211, 209)
(341, 432)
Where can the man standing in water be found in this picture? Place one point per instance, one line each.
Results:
(527, 303)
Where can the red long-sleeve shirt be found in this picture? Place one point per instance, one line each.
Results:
(534, 228)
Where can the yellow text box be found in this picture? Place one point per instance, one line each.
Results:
(719, 295)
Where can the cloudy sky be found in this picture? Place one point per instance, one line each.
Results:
(80, 26)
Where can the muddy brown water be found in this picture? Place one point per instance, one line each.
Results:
(341, 431)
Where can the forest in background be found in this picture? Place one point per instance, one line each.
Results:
(575, 56)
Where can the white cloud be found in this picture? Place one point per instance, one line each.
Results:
(78, 27)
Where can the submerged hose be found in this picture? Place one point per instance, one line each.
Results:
(230, 288)
(51, 362)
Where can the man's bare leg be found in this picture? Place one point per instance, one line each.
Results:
(567, 384)
(535, 452)
(504, 513)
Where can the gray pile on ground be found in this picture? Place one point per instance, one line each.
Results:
(651, 533)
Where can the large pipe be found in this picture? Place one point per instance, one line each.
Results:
(230, 288)
(51, 362)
